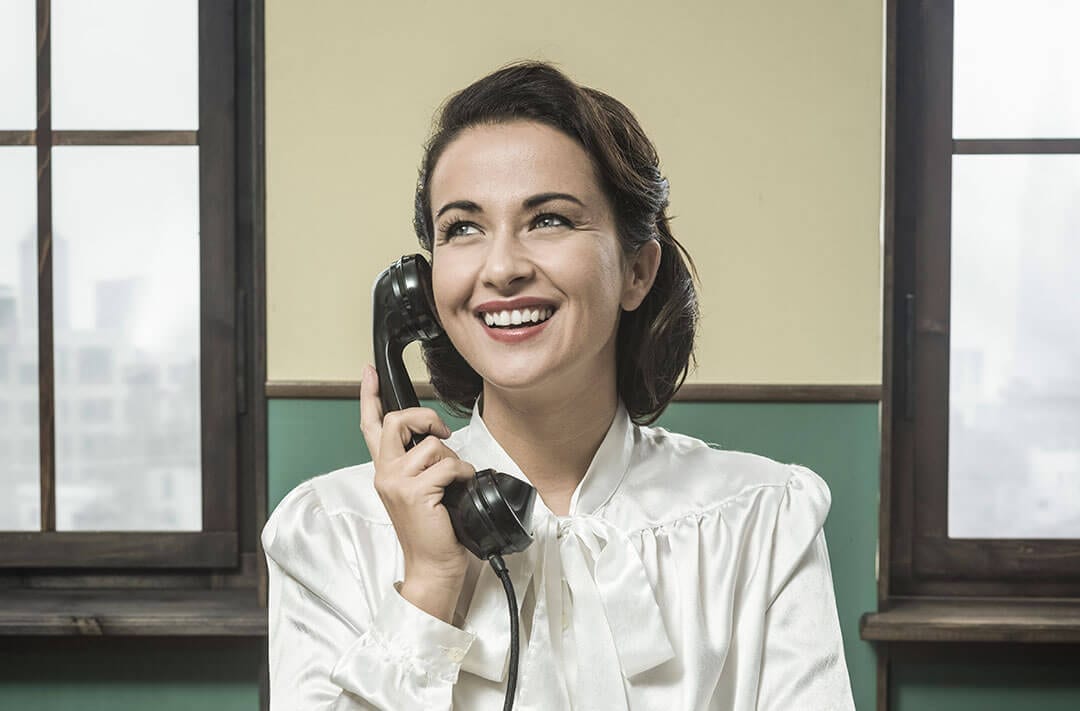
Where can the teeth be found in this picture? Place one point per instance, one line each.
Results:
(518, 316)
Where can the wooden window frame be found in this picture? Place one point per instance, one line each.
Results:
(932, 588)
(208, 582)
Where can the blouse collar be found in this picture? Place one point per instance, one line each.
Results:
(606, 471)
(595, 560)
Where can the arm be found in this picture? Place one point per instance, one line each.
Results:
(803, 664)
(335, 648)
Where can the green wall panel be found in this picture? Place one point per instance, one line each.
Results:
(840, 442)
(109, 674)
(991, 679)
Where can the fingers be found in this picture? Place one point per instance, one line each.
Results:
(424, 455)
(445, 472)
(423, 471)
(371, 414)
(386, 436)
(398, 428)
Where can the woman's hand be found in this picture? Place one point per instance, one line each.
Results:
(410, 484)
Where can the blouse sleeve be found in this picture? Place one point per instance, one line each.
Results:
(338, 643)
(803, 664)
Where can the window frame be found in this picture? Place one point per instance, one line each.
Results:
(213, 581)
(924, 561)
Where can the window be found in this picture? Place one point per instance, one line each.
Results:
(981, 417)
(131, 306)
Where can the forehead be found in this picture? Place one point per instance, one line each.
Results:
(511, 162)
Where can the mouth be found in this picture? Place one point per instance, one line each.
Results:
(512, 319)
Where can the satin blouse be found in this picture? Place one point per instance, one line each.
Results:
(684, 577)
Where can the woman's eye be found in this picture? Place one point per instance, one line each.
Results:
(550, 220)
(459, 229)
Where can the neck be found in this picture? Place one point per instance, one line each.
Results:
(550, 435)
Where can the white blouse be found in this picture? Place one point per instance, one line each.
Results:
(684, 578)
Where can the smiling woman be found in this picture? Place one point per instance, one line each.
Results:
(529, 240)
(663, 573)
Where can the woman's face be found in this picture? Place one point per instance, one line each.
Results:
(520, 221)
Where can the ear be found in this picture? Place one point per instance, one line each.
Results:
(640, 274)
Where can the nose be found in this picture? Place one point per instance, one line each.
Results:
(507, 261)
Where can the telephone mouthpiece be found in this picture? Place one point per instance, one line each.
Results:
(491, 513)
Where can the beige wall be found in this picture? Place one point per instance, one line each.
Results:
(766, 115)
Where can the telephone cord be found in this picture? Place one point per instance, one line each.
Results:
(499, 566)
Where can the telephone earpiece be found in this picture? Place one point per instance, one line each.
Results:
(490, 513)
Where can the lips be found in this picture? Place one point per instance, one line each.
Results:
(512, 333)
(517, 317)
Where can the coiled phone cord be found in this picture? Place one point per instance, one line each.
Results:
(499, 566)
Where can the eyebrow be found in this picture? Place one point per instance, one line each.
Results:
(528, 203)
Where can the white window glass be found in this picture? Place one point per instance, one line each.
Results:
(20, 469)
(125, 65)
(1016, 69)
(1014, 363)
(126, 268)
(18, 60)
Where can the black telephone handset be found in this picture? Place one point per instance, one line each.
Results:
(490, 513)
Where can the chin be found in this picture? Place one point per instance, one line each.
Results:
(523, 378)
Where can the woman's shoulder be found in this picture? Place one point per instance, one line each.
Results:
(675, 475)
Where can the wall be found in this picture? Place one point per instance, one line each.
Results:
(766, 116)
(767, 119)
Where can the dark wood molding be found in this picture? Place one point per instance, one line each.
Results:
(119, 549)
(46, 374)
(125, 138)
(881, 690)
(173, 613)
(722, 392)
(221, 301)
(1026, 146)
(974, 620)
(251, 213)
(690, 392)
(251, 216)
(889, 310)
(18, 138)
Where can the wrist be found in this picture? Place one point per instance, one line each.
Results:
(437, 598)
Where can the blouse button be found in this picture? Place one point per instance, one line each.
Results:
(455, 654)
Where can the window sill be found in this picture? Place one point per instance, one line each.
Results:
(162, 613)
(974, 620)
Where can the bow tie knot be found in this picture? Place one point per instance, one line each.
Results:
(620, 630)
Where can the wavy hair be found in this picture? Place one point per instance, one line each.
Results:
(655, 342)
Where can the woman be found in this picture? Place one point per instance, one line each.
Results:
(664, 574)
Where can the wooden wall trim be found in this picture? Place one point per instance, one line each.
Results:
(690, 392)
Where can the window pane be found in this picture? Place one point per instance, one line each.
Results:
(1014, 375)
(18, 75)
(20, 506)
(126, 269)
(125, 64)
(1016, 69)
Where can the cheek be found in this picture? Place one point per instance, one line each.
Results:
(602, 278)
(447, 282)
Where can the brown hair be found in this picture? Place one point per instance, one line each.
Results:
(655, 342)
